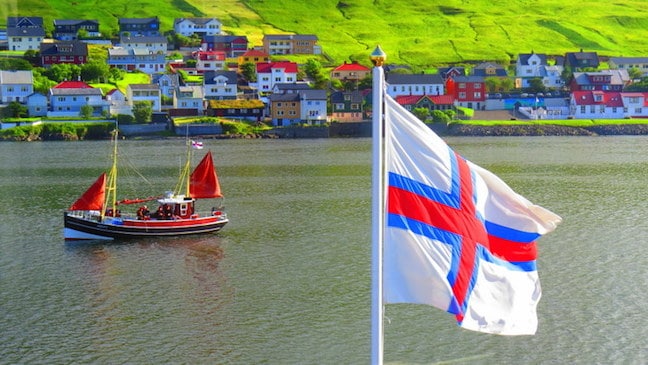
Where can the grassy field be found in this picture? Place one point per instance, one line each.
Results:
(419, 33)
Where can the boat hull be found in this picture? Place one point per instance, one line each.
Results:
(86, 228)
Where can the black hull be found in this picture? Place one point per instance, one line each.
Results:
(80, 228)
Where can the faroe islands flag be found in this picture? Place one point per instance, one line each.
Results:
(456, 236)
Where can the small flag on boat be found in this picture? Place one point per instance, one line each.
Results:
(197, 145)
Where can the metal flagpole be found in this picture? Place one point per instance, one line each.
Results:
(377, 206)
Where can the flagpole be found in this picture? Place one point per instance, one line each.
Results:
(377, 205)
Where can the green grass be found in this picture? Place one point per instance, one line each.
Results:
(420, 33)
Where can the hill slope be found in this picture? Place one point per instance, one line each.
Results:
(421, 33)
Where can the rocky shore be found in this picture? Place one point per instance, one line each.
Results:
(543, 130)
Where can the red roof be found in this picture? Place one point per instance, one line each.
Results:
(267, 67)
(255, 53)
(414, 99)
(610, 99)
(210, 55)
(73, 85)
(353, 66)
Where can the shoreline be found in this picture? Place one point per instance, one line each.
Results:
(360, 130)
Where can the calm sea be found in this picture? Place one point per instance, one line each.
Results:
(288, 280)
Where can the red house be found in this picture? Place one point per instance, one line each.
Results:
(468, 91)
(72, 52)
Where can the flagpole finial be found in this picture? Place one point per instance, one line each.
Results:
(378, 57)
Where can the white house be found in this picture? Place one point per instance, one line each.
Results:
(628, 63)
(144, 92)
(67, 98)
(220, 85)
(414, 84)
(608, 105)
(15, 86)
(189, 97)
(140, 59)
(25, 33)
(154, 44)
(199, 26)
(313, 106)
(271, 73)
(118, 103)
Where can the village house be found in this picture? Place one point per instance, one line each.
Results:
(135, 27)
(429, 102)
(15, 86)
(531, 66)
(68, 29)
(467, 91)
(305, 106)
(292, 87)
(608, 105)
(629, 63)
(608, 80)
(248, 109)
(59, 52)
(25, 33)
(190, 99)
(489, 69)
(414, 84)
(346, 106)
(284, 44)
(577, 61)
(350, 72)
(196, 26)
(451, 71)
(271, 73)
(144, 92)
(37, 104)
(252, 56)
(209, 61)
(156, 43)
(136, 59)
(220, 85)
(232, 45)
(118, 102)
(167, 82)
(68, 97)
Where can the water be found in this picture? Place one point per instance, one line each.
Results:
(287, 281)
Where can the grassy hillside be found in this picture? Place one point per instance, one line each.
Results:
(421, 33)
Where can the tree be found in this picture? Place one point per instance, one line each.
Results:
(86, 111)
(16, 110)
(95, 71)
(635, 73)
(142, 111)
(33, 57)
(10, 63)
(62, 72)
(439, 116)
(421, 113)
(248, 70)
(536, 85)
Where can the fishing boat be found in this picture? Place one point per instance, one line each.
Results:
(97, 214)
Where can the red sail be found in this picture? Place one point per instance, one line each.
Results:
(204, 182)
(93, 198)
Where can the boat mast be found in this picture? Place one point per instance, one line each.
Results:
(111, 188)
(185, 175)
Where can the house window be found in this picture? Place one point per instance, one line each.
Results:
(462, 95)
(339, 106)
(355, 106)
